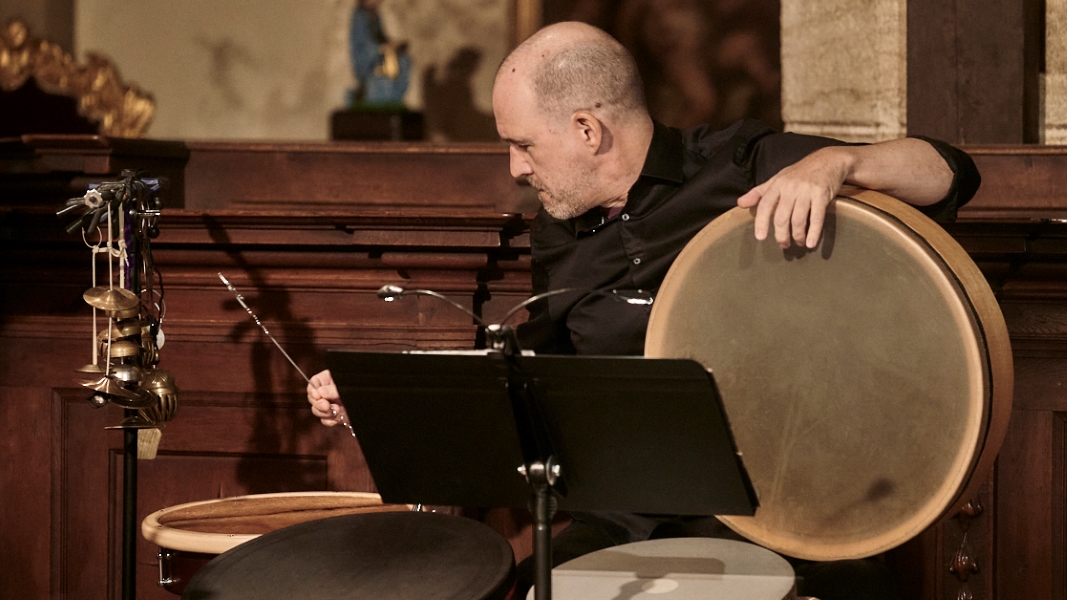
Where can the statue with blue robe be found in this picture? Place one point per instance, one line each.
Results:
(382, 68)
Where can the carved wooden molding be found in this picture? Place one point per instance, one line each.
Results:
(121, 110)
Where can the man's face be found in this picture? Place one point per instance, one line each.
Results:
(546, 154)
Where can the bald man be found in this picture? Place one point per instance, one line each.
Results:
(622, 195)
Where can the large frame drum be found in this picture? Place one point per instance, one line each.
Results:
(868, 382)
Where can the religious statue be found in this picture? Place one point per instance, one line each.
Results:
(382, 67)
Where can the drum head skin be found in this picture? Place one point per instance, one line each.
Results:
(865, 381)
(399, 555)
(675, 569)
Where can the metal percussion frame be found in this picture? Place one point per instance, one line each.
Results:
(504, 429)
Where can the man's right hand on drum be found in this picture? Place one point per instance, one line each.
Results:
(324, 399)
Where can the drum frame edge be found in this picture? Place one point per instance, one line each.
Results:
(213, 543)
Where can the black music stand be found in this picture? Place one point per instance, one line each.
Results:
(603, 433)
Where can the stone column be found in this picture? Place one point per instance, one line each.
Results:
(844, 68)
(1054, 96)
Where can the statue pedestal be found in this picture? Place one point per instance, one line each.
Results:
(376, 125)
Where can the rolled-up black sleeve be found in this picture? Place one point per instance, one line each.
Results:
(965, 181)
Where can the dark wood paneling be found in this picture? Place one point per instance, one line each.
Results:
(1059, 505)
(1024, 527)
(316, 176)
(25, 486)
(1019, 182)
(933, 97)
(973, 69)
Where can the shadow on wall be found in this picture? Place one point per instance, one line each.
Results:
(272, 305)
(448, 101)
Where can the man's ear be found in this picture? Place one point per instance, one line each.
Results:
(589, 129)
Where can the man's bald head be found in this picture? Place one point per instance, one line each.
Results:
(573, 66)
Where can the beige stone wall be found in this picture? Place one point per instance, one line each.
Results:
(844, 68)
(1054, 130)
(275, 69)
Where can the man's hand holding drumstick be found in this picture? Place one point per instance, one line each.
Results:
(324, 399)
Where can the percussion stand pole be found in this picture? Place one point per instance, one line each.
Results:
(129, 470)
(129, 511)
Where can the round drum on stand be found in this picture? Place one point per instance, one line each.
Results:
(867, 382)
(397, 555)
(675, 569)
(190, 535)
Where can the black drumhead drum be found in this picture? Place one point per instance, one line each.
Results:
(400, 555)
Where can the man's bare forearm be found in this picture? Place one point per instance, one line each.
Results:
(909, 169)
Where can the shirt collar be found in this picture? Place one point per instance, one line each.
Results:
(664, 159)
(663, 162)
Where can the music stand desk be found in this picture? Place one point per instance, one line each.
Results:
(629, 434)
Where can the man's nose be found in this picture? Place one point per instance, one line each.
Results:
(519, 165)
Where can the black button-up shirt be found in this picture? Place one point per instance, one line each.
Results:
(689, 178)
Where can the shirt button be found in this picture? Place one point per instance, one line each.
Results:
(637, 261)
(625, 217)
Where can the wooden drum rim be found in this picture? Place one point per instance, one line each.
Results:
(924, 248)
(184, 540)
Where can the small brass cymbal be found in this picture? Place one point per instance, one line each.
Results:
(127, 373)
(111, 298)
(118, 394)
(126, 313)
(120, 330)
(90, 369)
(109, 386)
(123, 348)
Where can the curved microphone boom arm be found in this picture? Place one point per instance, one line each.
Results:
(392, 292)
(503, 336)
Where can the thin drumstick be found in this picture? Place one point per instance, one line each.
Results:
(241, 301)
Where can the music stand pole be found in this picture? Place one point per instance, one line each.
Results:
(541, 476)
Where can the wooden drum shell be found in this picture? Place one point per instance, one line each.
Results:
(868, 382)
(191, 535)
